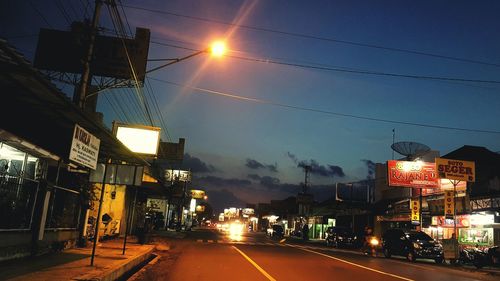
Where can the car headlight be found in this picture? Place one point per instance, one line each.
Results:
(417, 246)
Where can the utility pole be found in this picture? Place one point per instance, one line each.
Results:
(306, 179)
(80, 95)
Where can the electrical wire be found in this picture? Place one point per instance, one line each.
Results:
(346, 69)
(301, 108)
(39, 13)
(314, 37)
(118, 25)
(61, 9)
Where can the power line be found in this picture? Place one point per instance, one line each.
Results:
(314, 37)
(39, 13)
(261, 101)
(61, 9)
(345, 69)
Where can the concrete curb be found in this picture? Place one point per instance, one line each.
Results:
(143, 269)
(115, 272)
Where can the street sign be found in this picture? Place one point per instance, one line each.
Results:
(455, 169)
(415, 174)
(84, 148)
(415, 210)
(449, 204)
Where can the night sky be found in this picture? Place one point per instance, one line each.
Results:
(327, 83)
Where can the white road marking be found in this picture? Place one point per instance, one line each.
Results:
(199, 240)
(255, 264)
(351, 263)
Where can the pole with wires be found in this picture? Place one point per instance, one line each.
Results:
(80, 95)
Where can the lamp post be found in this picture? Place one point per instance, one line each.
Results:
(217, 49)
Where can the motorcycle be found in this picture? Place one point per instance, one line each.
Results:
(473, 256)
(370, 248)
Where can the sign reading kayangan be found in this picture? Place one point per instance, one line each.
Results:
(456, 169)
(412, 174)
(84, 148)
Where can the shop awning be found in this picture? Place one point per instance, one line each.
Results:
(36, 111)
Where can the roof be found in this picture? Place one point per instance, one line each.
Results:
(478, 154)
(35, 110)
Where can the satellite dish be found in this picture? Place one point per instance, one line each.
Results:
(410, 149)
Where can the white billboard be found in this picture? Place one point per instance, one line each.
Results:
(139, 139)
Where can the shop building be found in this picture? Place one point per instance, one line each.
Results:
(43, 194)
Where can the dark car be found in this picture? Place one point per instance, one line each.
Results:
(340, 237)
(276, 231)
(411, 244)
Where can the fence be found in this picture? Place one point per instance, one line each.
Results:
(64, 209)
(17, 201)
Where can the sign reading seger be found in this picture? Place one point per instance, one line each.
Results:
(455, 169)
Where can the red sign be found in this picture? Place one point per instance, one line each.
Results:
(462, 221)
(412, 174)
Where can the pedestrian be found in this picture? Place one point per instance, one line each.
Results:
(305, 232)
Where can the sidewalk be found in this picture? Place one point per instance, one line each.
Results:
(74, 264)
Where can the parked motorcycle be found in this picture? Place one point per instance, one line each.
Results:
(473, 256)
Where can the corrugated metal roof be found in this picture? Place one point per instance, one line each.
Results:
(32, 108)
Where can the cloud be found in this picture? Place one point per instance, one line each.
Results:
(322, 170)
(292, 157)
(224, 198)
(212, 180)
(254, 164)
(197, 165)
(316, 168)
(254, 177)
(370, 165)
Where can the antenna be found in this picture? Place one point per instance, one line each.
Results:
(410, 149)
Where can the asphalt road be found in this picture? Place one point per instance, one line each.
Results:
(209, 255)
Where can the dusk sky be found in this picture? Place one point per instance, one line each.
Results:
(322, 83)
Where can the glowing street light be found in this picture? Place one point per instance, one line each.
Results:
(218, 48)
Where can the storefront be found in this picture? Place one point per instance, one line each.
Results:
(475, 229)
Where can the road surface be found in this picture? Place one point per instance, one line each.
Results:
(209, 255)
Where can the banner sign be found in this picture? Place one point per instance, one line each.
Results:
(412, 174)
(456, 169)
(197, 194)
(415, 210)
(177, 175)
(84, 148)
(463, 221)
(449, 204)
(445, 184)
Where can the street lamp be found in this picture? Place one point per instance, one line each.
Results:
(217, 49)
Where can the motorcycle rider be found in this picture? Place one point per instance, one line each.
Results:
(368, 235)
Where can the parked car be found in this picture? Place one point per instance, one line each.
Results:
(276, 231)
(411, 244)
(341, 237)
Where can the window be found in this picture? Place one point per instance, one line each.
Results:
(17, 187)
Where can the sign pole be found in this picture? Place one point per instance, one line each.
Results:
(421, 219)
(98, 220)
(129, 215)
